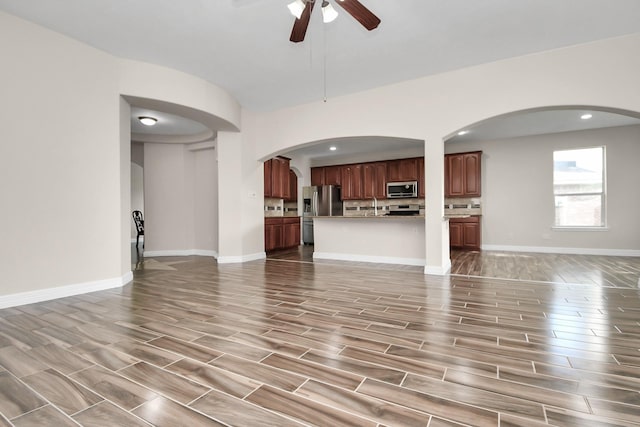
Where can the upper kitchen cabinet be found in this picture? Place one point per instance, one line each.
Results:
(293, 186)
(351, 179)
(374, 180)
(317, 176)
(327, 175)
(276, 178)
(462, 174)
(268, 188)
(402, 170)
(333, 175)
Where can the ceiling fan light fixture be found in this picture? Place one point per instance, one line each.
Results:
(329, 14)
(296, 8)
(148, 121)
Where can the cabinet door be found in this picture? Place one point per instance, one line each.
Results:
(455, 177)
(403, 170)
(351, 178)
(272, 234)
(421, 177)
(455, 234)
(464, 233)
(333, 175)
(276, 178)
(472, 174)
(471, 235)
(268, 188)
(293, 186)
(381, 180)
(291, 232)
(284, 178)
(369, 175)
(317, 176)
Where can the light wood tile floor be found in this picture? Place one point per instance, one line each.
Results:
(288, 343)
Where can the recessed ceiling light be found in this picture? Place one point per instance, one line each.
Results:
(147, 121)
(463, 132)
(586, 116)
(333, 148)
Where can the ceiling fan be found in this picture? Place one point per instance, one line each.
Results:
(302, 9)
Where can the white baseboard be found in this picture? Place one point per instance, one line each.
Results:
(241, 258)
(555, 250)
(181, 252)
(31, 297)
(368, 258)
(435, 270)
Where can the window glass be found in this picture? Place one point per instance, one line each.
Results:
(578, 187)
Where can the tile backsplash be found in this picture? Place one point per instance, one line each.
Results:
(463, 205)
(273, 207)
(366, 207)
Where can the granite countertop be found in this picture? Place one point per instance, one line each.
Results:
(370, 217)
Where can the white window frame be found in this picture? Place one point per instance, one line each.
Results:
(602, 194)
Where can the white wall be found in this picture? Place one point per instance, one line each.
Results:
(65, 225)
(60, 221)
(517, 192)
(206, 201)
(180, 200)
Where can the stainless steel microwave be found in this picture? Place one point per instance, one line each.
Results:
(402, 190)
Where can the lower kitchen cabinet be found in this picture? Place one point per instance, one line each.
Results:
(464, 233)
(281, 233)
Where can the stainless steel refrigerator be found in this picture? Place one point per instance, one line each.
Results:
(325, 200)
(319, 201)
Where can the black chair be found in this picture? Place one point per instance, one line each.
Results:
(139, 221)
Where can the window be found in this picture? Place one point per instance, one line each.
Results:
(579, 187)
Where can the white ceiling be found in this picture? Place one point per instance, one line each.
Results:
(243, 45)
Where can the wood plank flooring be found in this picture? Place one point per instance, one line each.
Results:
(287, 342)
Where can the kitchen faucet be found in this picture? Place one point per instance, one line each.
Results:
(375, 206)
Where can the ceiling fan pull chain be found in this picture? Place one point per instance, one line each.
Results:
(324, 62)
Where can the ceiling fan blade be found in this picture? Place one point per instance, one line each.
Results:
(300, 26)
(360, 13)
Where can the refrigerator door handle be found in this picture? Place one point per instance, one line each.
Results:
(314, 203)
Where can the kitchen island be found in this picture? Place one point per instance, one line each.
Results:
(381, 239)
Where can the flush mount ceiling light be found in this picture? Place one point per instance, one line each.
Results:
(296, 8)
(329, 14)
(586, 116)
(148, 121)
(463, 132)
(333, 148)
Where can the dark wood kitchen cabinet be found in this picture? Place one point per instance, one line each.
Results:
(326, 175)
(268, 187)
(290, 232)
(273, 234)
(402, 170)
(276, 178)
(281, 233)
(317, 176)
(351, 179)
(462, 174)
(464, 233)
(293, 186)
(374, 180)
(333, 175)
